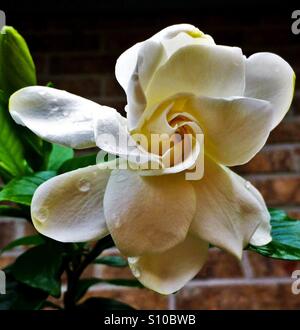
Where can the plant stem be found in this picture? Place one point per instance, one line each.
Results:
(73, 275)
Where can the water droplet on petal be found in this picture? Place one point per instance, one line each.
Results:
(65, 113)
(42, 93)
(42, 214)
(55, 108)
(84, 185)
(247, 184)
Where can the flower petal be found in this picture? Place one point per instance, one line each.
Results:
(148, 214)
(216, 71)
(270, 78)
(262, 234)
(136, 66)
(111, 135)
(228, 209)
(127, 61)
(235, 129)
(57, 116)
(169, 271)
(69, 207)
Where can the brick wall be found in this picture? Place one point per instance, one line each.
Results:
(78, 52)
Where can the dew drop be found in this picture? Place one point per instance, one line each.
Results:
(42, 93)
(84, 185)
(42, 214)
(65, 113)
(247, 184)
(55, 108)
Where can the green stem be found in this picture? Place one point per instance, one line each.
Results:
(73, 275)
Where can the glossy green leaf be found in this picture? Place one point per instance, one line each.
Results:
(11, 149)
(17, 67)
(114, 261)
(103, 304)
(77, 162)
(24, 241)
(285, 242)
(21, 190)
(40, 267)
(58, 156)
(20, 296)
(86, 283)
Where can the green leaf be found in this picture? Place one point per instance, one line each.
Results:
(27, 240)
(58, 156)
(11, 149)
(40, 267)
(10, 211)
(17, 67)
(77, 162)
(20, 296)
(103, 304)
(21, 190)
(114, 261)
(84, 284)
(285, 234)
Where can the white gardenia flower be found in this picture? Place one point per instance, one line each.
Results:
(178, 81)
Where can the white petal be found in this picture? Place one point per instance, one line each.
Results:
(228, 209)
(136, 67)
(270, 78)
(127, 61)
(235, 129)
(57, 116)
(262, 234)
(148, 214)
(216, 71)
(69, 207)
(169, 271)
(111, 135)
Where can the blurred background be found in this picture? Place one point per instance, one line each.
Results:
(75, 46)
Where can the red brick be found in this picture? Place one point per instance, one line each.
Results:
(64, 41)
(239, 297)
(279, 190)
(78, 64)
(112, 88)
(5, 261)
(7, 232)
(287, 131)
(85, 87)
(220, 264)
(41, 63)
(270, 160)
(266, 267)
